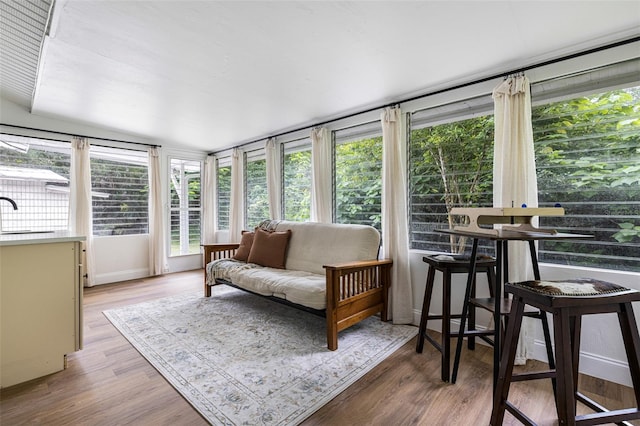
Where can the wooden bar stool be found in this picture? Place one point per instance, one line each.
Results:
(568, 301)
(448, 265)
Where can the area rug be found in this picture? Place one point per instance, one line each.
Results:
(241, 359)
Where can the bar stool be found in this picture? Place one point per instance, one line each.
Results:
(448, 265)
(568, 301)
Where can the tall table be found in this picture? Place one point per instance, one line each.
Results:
(517, 226)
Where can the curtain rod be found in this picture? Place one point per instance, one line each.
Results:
(80, 136)
(61, 140)
(448, 89)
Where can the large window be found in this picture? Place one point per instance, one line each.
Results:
(35, 173)
(588, 160)
(185, 206)
(358, 175)
(223, 192)
(450, 166)
(297, 180)
(120, 191)
(256, 197)
(587, 157)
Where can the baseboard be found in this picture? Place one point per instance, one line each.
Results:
(114, 277)
(594, 365)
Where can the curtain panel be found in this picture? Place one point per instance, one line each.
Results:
(273, 178)
(321, 197)
(514, 178)
(236, 208)
(209, 201)
(80, 209)
(158, 263)
(395, 230)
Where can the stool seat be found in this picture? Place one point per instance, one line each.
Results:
(568, 301)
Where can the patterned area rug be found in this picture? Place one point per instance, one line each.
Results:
(241, 359)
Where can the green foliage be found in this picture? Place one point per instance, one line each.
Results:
(224, 196)
(451, 164)
(256, 193)
(358, 182)
(297, 186)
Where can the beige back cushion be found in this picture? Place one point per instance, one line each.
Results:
(315, 244)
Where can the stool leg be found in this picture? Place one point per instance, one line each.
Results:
(431, 273)
(471, 340)
(446, 325)
(631, 339)
(565, 398)
(465, 309)
(547, 342)
(506, 362)
(575, 324)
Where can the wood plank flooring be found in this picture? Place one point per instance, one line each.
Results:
(110, 383)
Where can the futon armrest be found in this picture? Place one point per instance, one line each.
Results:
(219, 251)
(352, 279)
(358, 264)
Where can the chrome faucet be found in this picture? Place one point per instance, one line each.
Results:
(13, 203)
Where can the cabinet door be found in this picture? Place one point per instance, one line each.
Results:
(39, 309)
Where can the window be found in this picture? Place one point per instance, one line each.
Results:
(35, 174)
(120, 191)
(587, 156)
(185, 206)
(450, 165)
(588, 160)
(223, 192)
(358, 175)
(297, 180)
(257, 199)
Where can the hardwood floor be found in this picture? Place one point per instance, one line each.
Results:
(109, 382)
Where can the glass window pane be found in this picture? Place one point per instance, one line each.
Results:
(358, 182)
(450, 166)
(588, 160)
(35, 174)
(120, 188)
(224, 196)
(185, 207)
(297, 185)
(257, 200)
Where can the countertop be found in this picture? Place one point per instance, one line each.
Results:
(39, 238)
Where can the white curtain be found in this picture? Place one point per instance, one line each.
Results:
(514, 177)
(209, 201)
(395, 231)
(80, 211)
(273, 178)
(236, 208)
(158, 263)
(321, 199)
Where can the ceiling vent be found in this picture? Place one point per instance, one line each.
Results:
(23, 25)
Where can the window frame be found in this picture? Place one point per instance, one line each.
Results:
(182, 210)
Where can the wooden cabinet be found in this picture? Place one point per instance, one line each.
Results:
(40, 308)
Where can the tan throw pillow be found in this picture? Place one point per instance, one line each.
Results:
(245, 246)
(269, 248)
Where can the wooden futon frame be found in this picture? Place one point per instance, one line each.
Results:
(355, 290)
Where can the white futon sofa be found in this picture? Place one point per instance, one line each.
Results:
(329, 269)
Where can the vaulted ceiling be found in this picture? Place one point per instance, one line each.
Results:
(208, 75)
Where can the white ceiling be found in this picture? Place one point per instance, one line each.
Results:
(208, 75)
